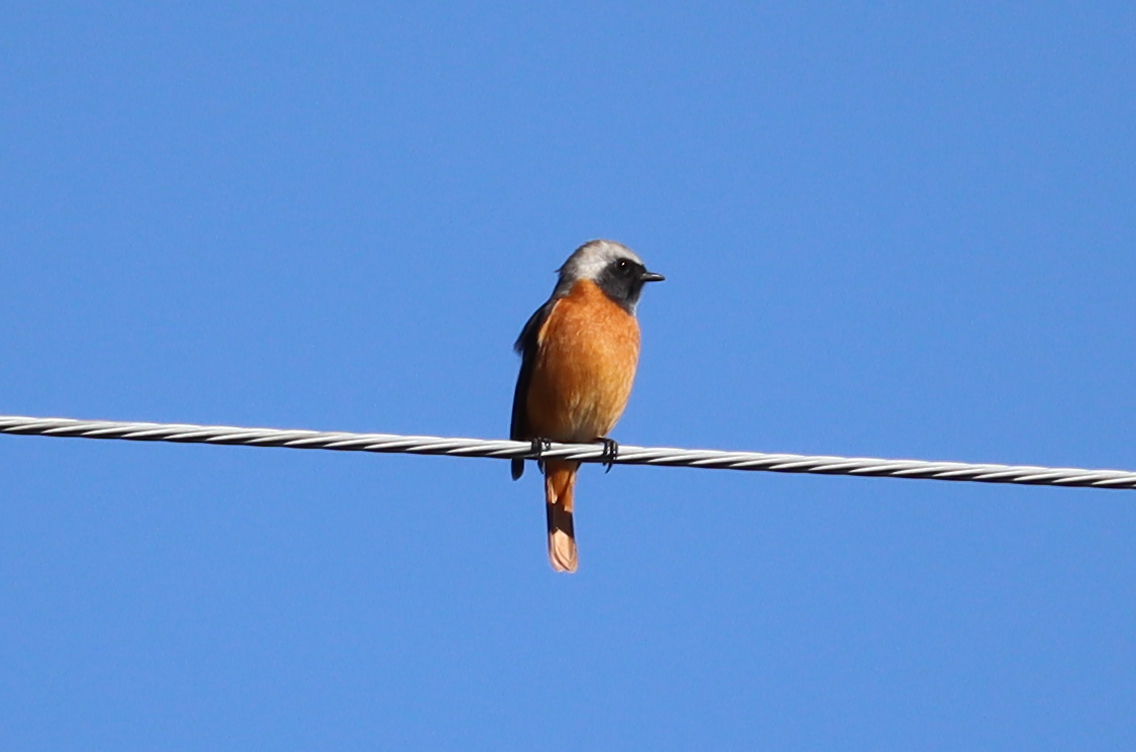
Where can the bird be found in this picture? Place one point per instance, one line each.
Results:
(579, 353)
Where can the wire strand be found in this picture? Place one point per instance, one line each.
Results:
(185, 433)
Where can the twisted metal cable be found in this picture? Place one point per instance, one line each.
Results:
(628, 455)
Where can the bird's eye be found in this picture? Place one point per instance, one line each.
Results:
(623, 263)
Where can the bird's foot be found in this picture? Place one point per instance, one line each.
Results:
(610, 452)
(539, 447)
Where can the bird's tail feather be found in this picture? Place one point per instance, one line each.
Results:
(559, 488)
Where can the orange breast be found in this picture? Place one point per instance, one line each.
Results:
(587, 353)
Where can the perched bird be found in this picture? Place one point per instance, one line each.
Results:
(579, 352)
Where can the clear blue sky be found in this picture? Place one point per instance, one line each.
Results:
(887, 230)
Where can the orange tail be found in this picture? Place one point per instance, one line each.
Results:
(559, 487)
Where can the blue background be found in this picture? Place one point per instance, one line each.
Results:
(887, 230)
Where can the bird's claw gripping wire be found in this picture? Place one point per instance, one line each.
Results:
(539, 447)
(610, 452)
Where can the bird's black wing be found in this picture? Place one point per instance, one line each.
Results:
(526, 346)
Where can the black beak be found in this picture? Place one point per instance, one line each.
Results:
(651, 277)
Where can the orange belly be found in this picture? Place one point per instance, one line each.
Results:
(587, 353)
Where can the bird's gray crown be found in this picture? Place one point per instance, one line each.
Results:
(618, 272)
(589, 262)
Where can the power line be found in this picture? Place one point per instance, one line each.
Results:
(184, 433)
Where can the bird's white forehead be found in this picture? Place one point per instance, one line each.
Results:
(593, 257)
